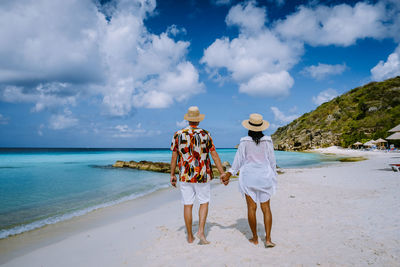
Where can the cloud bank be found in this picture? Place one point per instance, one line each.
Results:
(257, 59)
(58, 51)
(260, 58)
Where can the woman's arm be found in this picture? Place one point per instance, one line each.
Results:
(238, 161)
(271, 156)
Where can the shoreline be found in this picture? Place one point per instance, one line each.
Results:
(135, 228)
(38, 224)
(52, 233)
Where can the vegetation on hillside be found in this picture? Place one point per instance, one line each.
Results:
(363, 113)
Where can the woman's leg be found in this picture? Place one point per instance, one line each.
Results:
(267, 223)
(251, 216)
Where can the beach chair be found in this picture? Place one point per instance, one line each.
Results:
(395, 167)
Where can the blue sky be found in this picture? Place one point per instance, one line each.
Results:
(86, 73)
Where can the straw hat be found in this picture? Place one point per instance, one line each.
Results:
(255, 123)
(193, 114)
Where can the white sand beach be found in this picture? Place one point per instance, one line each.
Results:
(344, 214)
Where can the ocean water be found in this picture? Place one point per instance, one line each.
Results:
(44, 186)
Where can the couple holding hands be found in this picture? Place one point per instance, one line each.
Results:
(191, 148)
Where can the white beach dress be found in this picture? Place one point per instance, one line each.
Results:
(257, 166)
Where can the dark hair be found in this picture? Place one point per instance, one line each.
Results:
(256, 136)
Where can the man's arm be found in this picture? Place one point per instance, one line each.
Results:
(173, 167)
(217, 162)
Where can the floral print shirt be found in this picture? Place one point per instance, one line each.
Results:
(193, 146)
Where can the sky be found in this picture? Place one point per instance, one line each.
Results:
(122, 73)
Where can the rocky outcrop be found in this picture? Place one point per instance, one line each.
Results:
(165, 167)
(362, 114)
(145, 166)
(159, 166)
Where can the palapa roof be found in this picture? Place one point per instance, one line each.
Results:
(395, 136)
(380, 140)
(357, 143)
(395, 129)
(370, 143)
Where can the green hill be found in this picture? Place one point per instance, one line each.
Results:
(363, 113)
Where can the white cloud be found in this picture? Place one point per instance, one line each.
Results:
(321, 71)
(337, 25)
(281, 117)
(174, 30)
(3, 120)
(182, 124)
(49, 40)
(47, 95)
(389, 69)
(52, 43)
(257, 59)
(221, 2)
(62, 121)
(147, 70)
(124, 131)
(268, 84)
(248, 17)
(324, 96)
(274, 126)
(160, 93)
(122, 128)
(40, 130)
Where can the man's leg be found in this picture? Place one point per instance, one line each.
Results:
(203, 211)
(187, 214)
(251, 217)
(267, 223)
(203, 192)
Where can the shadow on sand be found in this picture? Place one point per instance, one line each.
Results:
(241, 225)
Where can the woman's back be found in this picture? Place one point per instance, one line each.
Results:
(251, 153)
(255, 153)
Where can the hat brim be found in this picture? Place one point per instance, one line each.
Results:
(194, 119)
(246, 124)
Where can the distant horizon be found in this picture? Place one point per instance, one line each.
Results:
(118, 73)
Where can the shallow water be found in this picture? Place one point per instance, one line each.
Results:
(43, 186)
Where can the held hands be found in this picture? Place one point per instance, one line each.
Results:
(225, 178)
(173, 180)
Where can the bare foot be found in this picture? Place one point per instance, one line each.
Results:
(203, 240)
(190, 239)
(269, 244)
(254, 240)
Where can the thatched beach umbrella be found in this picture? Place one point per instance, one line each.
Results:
(357, 144)
(370, 143)
(381, 142)
(395, 136)
(395, 129)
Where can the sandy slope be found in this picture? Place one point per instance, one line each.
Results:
(339, 215)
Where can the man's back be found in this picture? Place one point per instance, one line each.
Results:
(193, 145)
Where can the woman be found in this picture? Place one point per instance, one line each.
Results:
(257, 178)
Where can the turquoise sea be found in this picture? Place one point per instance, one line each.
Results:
(44, 186)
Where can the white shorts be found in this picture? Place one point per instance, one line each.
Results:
(191, 190)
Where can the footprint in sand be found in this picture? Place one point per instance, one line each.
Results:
(162, 228)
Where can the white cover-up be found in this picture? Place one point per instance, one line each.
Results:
(257, 165)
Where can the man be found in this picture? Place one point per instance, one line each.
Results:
(191, 147)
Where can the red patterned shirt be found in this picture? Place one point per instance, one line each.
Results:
(193, 146)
